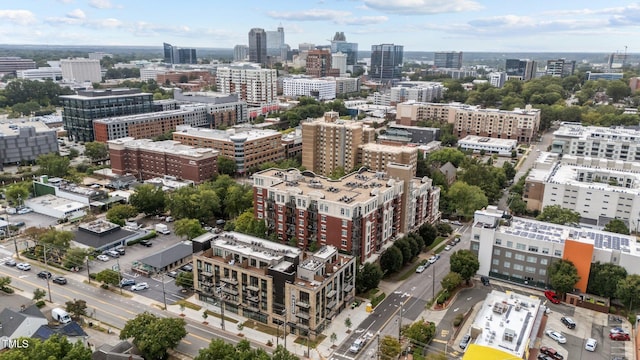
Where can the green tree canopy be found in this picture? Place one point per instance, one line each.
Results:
(421, 332)
(442, 156)
(389, 347)
(109, 277)
(18, 193)
(465, 263)
(96, 150)
(604, 278)
(152, 335)
(185, 280)
(55, 347)
(148, 199)
(53, 165)
(190, 228)
(465, 199)
(77, 308)
(227, 166)
(391, 260)
(246, 223)
(563, 276)
(628, 290)
(369, 277)
(118, 214)
(39, 294)
(558, 215)
(617, 226)
(451, 281)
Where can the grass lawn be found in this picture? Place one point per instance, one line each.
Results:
(231, 320)
(312, 343)
(256, 325)
(188, 305)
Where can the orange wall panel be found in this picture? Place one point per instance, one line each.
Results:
(580, 254)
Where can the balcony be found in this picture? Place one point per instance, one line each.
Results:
(229, 281)
(253, 288)
(302, 315)
(331, 304)
(230, 291)
(348, 288)
(253, 298)
(301, 304)
(331, 294)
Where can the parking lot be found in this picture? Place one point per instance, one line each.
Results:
(30, 220)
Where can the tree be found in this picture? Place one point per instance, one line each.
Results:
(617, 90)
(238, 199)
(77, 308)
(405, 248)
(369, 277)
(53, 165)
(628, 290)
(119, 213)
(558, 215)
(333, 338)
(563, 276)
(185, 280)
(391, 260)
(445, 155)
(428, 234)
(390, 347)
(18, 193)
(4, 283)
(421, 332)
(451, 281)
(509, 170)
(604, 278)
(217, 349)
(75, 257)
(55, 347)
(38, 294)
(465, 199)
(347, 322)
(108, 277)
(190, 228)
(282, 353)
(227, 166)
(153, 336)
(96, 151)
(205, 315)
(465, 263)
(246, 223)
(617, 226)
(148, 199)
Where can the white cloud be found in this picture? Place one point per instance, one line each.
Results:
(364, 20)
(101, 4)
(309, 15)
(65, 1)
(76, 14)
(20, 17)
(422, 7)
(108, 23)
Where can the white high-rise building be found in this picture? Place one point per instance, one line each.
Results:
(497, 79)
(339, 61)
(322, 89)
(255, 85)
(80, 70)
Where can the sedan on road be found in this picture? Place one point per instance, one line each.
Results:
(420, 269)
(44, 275)
(432, 259)
(619, 337)
(60, 280)
(24, 266)
(140, 286)
(557, 336)
(102, 257)
(10, 262)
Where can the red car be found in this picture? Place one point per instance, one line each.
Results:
(619, 337)
(551, 295)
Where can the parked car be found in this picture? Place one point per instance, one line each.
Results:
(591, 344)
(25, 210)
(113, 253)
(44, 274)
(465, 341)
(140, 286)
(24, 266)
(60, 280)
(420, 269)
(618, 330)
(127, 282)
(447, 248)
(551, 352)
(10, 262)
(19, 224)
(187, 267)
(456, 223)
(619, 337)
(485, 280)
(544, 357)
(568, 322)
(557, 336)
(102, 257)
(120, 249)
(173, 274)
(169, 219)
(146, 243)
(432, 259)
(552, 296)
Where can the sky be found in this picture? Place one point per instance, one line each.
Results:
(419, 25)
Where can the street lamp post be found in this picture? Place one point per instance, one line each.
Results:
(120, 275)
(88, 274)
(400, 321)
(49, 289)
(164, 294)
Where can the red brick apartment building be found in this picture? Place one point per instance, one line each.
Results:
(361, 213)
(146, 159)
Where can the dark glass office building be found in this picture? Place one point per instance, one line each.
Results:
(258, 46)
(386, 62)
(80, 110)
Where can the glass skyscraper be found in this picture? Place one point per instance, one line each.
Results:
(386, 62)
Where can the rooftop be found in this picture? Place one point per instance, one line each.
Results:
(577, 131)
(254, 247)
(168, 256)
(144, 116)
(227, 135)
(11, 127)
(105, 93)
(586, 176)
(507, 321)
(473, 139)
(388, 148)
(167, 146)
(57, 203)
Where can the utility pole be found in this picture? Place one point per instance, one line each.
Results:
(88, 274)
(164, 294)
(49, 290)
(400, 321)
(120, 276)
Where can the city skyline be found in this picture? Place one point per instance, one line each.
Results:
(418, 25)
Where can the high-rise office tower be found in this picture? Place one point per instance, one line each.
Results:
(258, 46)
(521, 69)
(255, 85)
(176, 55)
(386, 62)
(275, 44)
(560, 67)
(240, 52)
(319, 64)
(448, 59)
(80, 70)
(340, 44)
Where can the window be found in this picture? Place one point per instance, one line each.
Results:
(344, 223)
(507, 254)
(545, 250)
(323, 227)
(509, 244)
(344, 243)
(518, 267)
(557, 253)
(496, 252)
(476, 237)
(475, 246)
(519, 257)
(498, 241)
(533, 248)
(542, 271)
(530, 269)
(506, 264)
(532, 259)
(544, 261)
(520, 246)
(496, 261)
(344, 233)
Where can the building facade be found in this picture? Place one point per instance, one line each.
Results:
(319, 64)
(361, 213)
(275, 284)
(25, 143)
(521, 250)
(521, 69)
(146, 159)
(248, 148)
(258, 46)
(597, 142)
(43, 73)
(240, 53)
(11, 64)
(81, 70)
(321, 89)
(345, 85)
(448, 59)
(386, 62)
(376, 157)
(330, 143)
(176, 55)
(560, 67)
(503, 147)
(276, 44)
(339, 44)
(80, 110)
(255, 86)
(420, 91)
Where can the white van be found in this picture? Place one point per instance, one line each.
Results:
(60, 316)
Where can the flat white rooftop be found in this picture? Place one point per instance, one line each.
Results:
(571, 175)
(574, 130)
(483, 140)
(227, 135)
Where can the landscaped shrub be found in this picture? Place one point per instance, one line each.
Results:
(444, 296)
(458, 320)
(40, 304)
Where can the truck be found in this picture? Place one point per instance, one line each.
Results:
(162, 229)
(60, 316)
